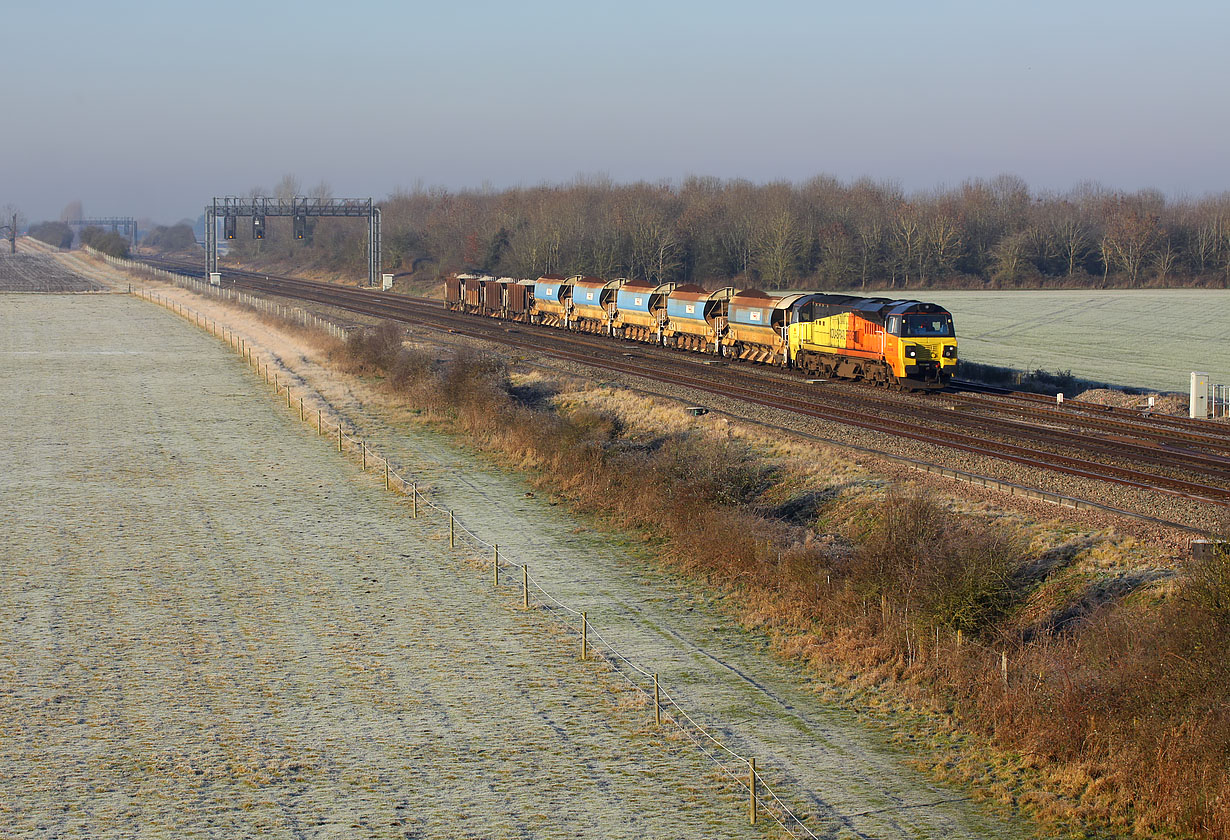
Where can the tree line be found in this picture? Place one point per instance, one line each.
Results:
(60, 235)
(818, 234)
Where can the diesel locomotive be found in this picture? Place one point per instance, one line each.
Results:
(899, 343)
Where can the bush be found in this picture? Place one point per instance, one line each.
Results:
(1207, 583)
(111, 244)
(935, 567)
(174, 238)
(56, 234)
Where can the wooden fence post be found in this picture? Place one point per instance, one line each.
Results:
(364, 455)
(414, 500)
(1003, 668)
(751, 783)
(584, 636)
(386, 475)
(452, 531)
(320, 422)
(525, 586)
(657, 704)
(495, 567)
(339, 437)
(301, 409)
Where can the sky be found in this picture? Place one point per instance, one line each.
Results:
(149, 109)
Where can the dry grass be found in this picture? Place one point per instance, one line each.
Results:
(1115, 711)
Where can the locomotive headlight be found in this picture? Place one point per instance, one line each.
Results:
(911, 352)
(950, 351)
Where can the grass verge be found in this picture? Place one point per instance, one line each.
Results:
(1108, 698)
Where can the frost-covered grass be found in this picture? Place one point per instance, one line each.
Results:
(1135, 338)
(212, 626)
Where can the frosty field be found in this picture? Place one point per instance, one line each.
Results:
(213, 626)
(1146, 338)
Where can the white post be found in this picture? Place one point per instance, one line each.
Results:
(1198, 404)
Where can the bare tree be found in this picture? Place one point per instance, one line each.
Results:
(907, 237)
(1073, 237)
(1010, 255)
(1131, 233)
(1165, 258)
(72, 212)
(941, 237)
(1206, 243)
(321, 191)
(287, 188)
(778, 246)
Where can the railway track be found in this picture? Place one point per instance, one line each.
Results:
(1186, 460)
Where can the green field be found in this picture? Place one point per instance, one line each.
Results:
(1142, 338)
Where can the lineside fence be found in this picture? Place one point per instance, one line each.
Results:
(946, 651)
(293, 314)
(508, 574)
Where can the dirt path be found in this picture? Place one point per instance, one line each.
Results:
(849, 779)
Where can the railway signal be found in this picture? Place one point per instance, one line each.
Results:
(302, 209)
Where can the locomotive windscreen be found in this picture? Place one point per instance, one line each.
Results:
(925, 326)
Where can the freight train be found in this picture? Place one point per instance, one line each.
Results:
(904, 344)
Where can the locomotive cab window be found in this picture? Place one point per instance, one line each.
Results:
(923, 326)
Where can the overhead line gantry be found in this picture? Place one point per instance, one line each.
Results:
(299, 208)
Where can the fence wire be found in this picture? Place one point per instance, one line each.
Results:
(699, 735)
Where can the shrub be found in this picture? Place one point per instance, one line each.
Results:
(1207, 584)
(934, 566)
(56, 234)
(174, 238)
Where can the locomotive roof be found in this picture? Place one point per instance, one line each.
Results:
(872, 309)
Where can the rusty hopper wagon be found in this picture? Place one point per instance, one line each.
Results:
(640, 310)
(455, 290)
(593, 303)
(552, 301)
(519, 300)
(696, 318)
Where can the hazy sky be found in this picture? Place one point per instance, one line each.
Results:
(149, 109)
